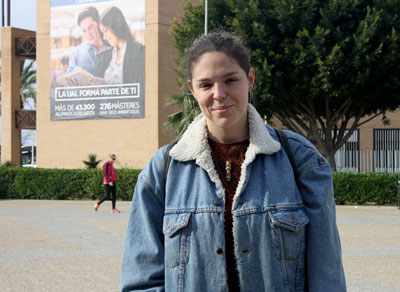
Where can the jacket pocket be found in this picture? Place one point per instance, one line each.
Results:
(288, 233)
(176, 239)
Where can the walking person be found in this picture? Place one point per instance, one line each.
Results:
(109, 184)
(229, 213)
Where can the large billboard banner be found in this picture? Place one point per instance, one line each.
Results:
(97, 59)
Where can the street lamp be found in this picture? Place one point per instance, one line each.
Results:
(8, 12)
(206, 17)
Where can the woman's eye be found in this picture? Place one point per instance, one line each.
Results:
(205, 85)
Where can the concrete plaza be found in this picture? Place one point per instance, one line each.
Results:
(66, 246)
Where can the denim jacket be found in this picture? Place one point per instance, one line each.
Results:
(285, 237)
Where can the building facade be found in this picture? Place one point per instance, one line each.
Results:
(65, 143)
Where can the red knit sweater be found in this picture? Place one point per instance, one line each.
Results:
(235, 153)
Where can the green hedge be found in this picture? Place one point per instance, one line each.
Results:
(62, 184)
(363, 188)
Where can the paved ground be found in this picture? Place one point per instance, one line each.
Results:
(66, 246)
(371, 247)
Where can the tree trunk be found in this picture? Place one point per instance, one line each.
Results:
(330, 156)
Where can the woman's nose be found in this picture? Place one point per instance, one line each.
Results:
(219, 92)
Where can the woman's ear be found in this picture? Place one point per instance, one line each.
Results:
(251, 77)
(189, 86)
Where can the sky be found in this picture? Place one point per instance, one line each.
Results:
(23, 14)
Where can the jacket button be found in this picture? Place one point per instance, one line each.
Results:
(293, 219)
(220, 251)
(217, 202)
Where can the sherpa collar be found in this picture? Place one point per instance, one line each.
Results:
(194, 146)
(194, 142)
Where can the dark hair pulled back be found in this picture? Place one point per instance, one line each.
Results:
(219, 41)
(114, 18)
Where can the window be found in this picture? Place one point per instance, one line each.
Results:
(347, 157)
(387, 150)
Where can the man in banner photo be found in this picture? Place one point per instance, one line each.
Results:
(104, 40)
(91, 55)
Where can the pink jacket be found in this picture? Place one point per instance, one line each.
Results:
(109, 173)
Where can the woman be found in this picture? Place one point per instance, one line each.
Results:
(109, 184)
(230, 216)
(127, 62)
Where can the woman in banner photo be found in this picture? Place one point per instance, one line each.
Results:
(127, 62)
(109, 184)
(230, 215)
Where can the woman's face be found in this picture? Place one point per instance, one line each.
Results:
(109, 35)
(221, 88)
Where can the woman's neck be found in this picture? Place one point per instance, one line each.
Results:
(121, 44)
(228, 137)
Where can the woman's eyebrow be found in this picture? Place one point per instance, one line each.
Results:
(224, 76)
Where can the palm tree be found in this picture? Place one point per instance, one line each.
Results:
(27, 81)
(182, 118)
(92, 162)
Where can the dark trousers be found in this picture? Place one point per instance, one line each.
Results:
(113, 191)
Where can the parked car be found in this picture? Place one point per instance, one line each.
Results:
(26, 155)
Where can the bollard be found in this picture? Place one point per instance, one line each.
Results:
(398, 194)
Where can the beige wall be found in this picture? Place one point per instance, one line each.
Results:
(64, 144)
(367, 130)
(10, 84)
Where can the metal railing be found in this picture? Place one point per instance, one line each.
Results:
(25, 119)
(368, 161)
(25, 47)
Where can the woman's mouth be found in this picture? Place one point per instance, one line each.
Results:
(222, 109)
